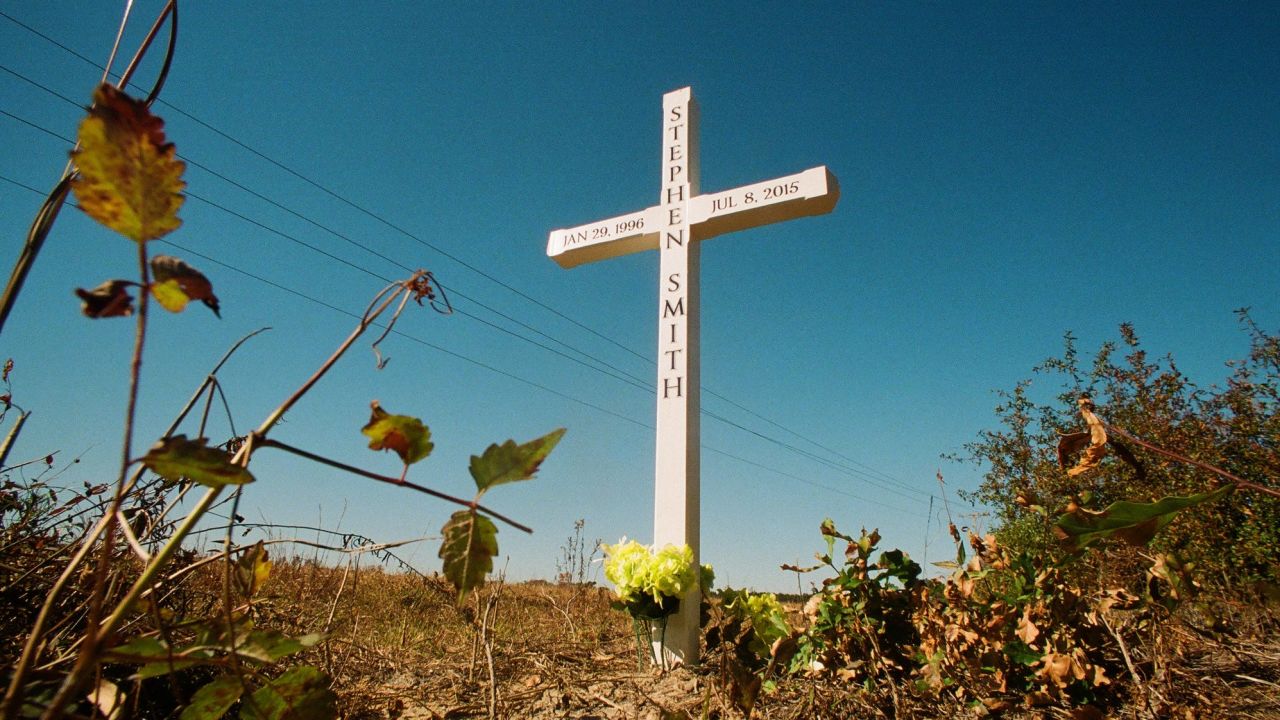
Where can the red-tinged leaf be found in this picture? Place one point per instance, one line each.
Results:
(470, 543)
(213, 700)
(177, 458)
(128, 178)
(110, 299)
(176, 283)
(302, 693)
(509, 462)
(406, 436)
(8, 368)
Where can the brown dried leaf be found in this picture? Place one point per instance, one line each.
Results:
(1069, 445)
(1087, 712)
(1125, 454)
(1097, 440)
(177, 283)
(1057, 669)
(110, 299)
(1027, 631)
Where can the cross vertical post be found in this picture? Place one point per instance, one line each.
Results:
(676, 227)
(677, 461)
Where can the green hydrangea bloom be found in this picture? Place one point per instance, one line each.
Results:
(625, 566)
(645, 580)
(768, 617)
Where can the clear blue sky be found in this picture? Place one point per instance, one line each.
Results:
(1009, 172)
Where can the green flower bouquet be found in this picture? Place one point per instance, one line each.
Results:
(650, 584)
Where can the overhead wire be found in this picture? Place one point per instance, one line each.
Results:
(499, 371)
(880, 480)
(863, 469)
(603, 367)
(631, 381)
(864, 472)
(611, 369)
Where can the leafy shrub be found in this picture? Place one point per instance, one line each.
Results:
(860, 627)
(1152, 405)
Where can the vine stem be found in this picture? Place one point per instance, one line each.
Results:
(90, 647)
(399, 482)
(1239, 481)
(386, 297)
(48, 214)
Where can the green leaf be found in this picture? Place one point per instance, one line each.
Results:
(213, 701)
(404, 435)
(509, 462)
(302, 693)
(1135, 523)
(269, 646)
(1021, 653)
(142, 650)
(177, 458)
(470, 543)
(145, 646)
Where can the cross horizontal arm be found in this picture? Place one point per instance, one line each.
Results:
(812, 192)
(607, 238)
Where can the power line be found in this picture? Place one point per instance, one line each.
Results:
(866, 473)
(387, 223)
(620, 375)
(626, 378)
(493, 369)
(611, 369)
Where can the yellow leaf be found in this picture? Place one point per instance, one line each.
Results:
(128, 177)
(170, 296)
(108, 698)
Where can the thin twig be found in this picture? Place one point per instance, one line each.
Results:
(1257, 680)
(42, 459)
(400, 482)
(380, 302)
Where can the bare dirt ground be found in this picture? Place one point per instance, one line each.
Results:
(401, 648)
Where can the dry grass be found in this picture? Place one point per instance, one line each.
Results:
(400, 647)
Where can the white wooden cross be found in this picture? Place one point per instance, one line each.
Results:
(674, 226)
